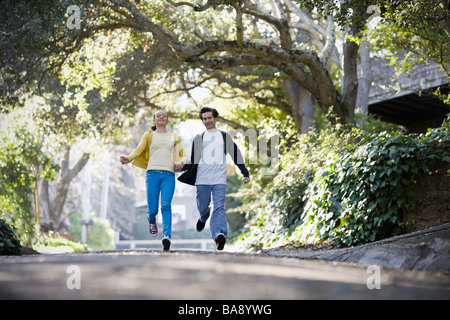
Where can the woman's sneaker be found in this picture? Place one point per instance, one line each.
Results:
(153, 229)
(166, 243)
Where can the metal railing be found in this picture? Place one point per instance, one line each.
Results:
(176, 243)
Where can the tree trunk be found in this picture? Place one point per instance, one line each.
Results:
(350, 79)
(302, 106)
(105, 186)
(45, 203)
(365, 80)
(86, 201)
(66, 175)
(443, 17)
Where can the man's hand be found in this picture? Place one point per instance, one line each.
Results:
(178, 165)
(124, 160)
(246, 180)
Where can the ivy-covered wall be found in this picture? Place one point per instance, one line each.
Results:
(347, 187)
(433, 194)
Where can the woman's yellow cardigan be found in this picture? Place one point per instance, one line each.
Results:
(140, 155)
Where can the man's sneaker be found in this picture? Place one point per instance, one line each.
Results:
(220, 241)
(200, 225)
(166, 243)
(153, 229)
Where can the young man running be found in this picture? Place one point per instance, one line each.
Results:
(207, 170)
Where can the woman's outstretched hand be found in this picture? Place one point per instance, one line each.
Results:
(124, 160)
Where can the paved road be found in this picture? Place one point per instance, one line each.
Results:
(153, 274)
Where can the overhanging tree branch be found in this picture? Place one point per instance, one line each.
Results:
(190, 115)
(247, 54)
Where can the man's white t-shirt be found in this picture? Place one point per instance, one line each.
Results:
(212, 168)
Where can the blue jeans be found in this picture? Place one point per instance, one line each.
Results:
(162, 182)
(218, 222)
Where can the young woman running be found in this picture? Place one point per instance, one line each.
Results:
(165, 155)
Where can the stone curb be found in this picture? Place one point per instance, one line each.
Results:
(427, 250)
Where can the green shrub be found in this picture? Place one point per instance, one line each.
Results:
(100, 234)
(343, 186)
(358, 198)
(19, 154)
(9, 244)
(54, 243)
